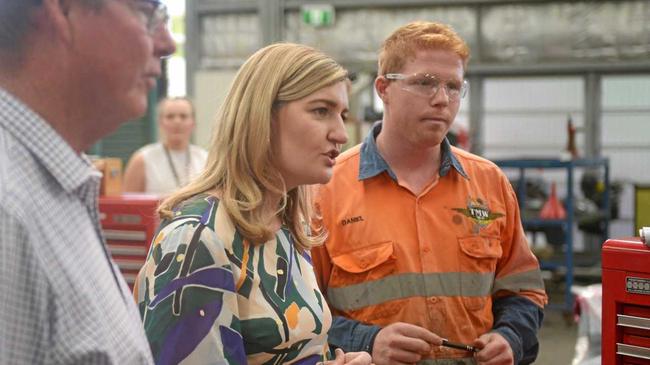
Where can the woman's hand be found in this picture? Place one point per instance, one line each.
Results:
(351, 358)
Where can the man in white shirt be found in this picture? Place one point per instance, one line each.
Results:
(71, 71)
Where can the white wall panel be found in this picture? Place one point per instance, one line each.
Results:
(626, 91)
(626, 130)
(547, 131)
(626, 126)
(630, 165)
(534, 93)
(211, 88)
(527, 117)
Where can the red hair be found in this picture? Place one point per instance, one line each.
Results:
(406, 40)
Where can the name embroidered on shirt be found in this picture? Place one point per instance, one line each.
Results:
(351, 220)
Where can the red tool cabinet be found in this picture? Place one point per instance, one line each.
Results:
(626, 302)
(129, 223)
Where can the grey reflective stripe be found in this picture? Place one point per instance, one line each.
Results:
(528, 280)
(408, 285)
(463, 361)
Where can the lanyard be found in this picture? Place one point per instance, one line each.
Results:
(188, 162)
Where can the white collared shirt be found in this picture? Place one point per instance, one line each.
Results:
(62, 300)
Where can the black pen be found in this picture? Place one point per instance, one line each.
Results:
(459, 346)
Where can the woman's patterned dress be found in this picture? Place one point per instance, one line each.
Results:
(207, 296)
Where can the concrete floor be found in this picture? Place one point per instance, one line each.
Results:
(557, 339)
(559, 331)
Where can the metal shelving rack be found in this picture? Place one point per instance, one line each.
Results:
(567, 224)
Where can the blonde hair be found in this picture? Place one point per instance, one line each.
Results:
(240, 164)
(406, 40)
(165, 100)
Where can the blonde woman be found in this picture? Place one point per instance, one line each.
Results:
(229, 278)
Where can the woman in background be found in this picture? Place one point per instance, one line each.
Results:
(160, 168)
(229, 276)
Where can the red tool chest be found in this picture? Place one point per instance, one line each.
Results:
(129, 223)
(626, 302)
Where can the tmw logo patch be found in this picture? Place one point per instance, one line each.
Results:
(351, 220)
(478, 211)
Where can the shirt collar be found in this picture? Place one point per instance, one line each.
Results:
(372, 163)
(69, 168)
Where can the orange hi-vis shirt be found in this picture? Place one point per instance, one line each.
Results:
(436, 260)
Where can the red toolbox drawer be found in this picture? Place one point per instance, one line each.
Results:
(626, 302)
(129, 223)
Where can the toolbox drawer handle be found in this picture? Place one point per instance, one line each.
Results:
(633, 351)
(127, 250)
(130, 278)
(129, 264)
(633, 321)
(121, 235)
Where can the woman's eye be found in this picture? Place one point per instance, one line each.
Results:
(321, 112)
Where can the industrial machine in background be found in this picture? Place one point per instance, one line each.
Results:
(557, 254)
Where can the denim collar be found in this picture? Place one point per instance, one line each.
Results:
(372, 164)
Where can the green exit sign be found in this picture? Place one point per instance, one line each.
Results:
(317, 15)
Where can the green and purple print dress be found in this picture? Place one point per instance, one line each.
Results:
(207, 296)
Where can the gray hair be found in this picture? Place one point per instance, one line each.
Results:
(15, 22)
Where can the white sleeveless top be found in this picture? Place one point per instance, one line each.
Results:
(159, 176)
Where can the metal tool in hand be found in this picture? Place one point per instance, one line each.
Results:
(459, 346)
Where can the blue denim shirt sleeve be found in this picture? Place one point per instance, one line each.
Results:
(351, 335)
(518, 319)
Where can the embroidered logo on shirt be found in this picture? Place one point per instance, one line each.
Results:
(478, 211)
(351, 220)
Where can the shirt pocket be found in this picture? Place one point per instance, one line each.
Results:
(478, 255)
(357, 276)
(368, 263)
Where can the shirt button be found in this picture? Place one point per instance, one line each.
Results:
(433, 300)
(426, 250)
(363, 263)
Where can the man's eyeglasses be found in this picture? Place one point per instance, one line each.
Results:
(152, 13)
(428, 85)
